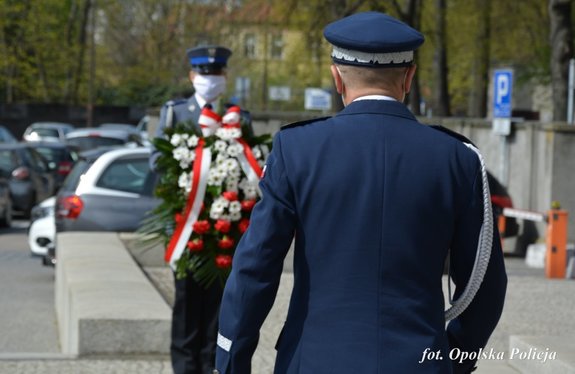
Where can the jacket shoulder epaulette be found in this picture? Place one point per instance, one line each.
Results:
(453, 134)
(175, 102)
(301, 123)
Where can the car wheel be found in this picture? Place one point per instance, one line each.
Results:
(6, 221)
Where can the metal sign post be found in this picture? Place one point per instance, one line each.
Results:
(502, 90)
(570, 92)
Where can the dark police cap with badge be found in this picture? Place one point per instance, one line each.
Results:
(372, 39)
(210, 59)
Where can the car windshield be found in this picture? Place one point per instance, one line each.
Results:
(45, 133)
(91, 142)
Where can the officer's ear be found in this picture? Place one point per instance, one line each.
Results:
(192, 75)
(409, 74)
(337, 79)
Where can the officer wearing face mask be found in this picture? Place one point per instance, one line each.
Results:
(195, 310)
(208, 77)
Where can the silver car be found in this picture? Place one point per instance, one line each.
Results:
(107, 190)
(90, 138)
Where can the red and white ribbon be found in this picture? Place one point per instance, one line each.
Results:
(209, 122)
(249, 164)
(183, 230)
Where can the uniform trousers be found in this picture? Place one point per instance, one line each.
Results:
(194, 326)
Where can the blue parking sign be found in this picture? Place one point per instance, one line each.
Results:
(502, 88)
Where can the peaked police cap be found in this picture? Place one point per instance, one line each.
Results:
(208, 59)
(372, 39)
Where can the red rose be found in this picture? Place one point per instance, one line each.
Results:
(248, 205)
(243, 225)
(178, 217)
(230, 195)
(223, 261)
(196, 245)
(201, 227)
(223, 225)
(226, 242)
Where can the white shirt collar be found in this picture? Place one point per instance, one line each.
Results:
(375, 97)
(200, 100)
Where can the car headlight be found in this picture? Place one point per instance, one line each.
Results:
(41, 212)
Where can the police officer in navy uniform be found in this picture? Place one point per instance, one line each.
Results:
(208, 77)
(195, 310)
(376, 202)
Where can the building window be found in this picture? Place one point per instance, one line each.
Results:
(277, 45)
(250, 46)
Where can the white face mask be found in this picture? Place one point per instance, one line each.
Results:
(209, 86)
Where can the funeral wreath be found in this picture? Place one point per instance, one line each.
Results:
(208, 187)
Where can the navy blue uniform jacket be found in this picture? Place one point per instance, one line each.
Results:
(375, 200)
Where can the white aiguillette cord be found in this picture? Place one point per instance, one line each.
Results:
(484, 246)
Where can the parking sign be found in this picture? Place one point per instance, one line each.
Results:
(502, 86)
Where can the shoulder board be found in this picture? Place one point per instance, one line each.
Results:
(175, 102)
(301, 123)
(452, 133)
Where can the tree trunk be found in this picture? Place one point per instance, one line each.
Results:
(480, 67)
(561, 53)
(82, 42)
(441, 101)
(412, 16)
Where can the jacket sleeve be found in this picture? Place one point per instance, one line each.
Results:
(471, 330)
(256, 270)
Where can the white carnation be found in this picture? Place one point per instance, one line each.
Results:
(220, 146)
(235, 216)
(234, 150)
(176, 139)
(235, 206)
(193, 141)
(184, 181)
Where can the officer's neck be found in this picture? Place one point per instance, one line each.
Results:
(359, 93)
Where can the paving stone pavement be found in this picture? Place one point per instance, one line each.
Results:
(534, 306)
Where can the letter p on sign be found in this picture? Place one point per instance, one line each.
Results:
(503, 84)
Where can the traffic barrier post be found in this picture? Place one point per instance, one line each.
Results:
(556, 240)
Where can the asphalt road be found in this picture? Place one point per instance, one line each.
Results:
(27, 317)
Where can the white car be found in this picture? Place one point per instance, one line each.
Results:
(42, 231)
(47, 131)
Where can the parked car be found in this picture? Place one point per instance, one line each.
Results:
(107, 190)
(42, 229)
(29, 177)
(501, 199)
(5, 201)
(90, 138)
(6, 136)
(60, 157)
(523, 234)
(47, 131)
(118, 126)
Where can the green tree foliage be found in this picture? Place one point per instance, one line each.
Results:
(39, 43)
(45, 47)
